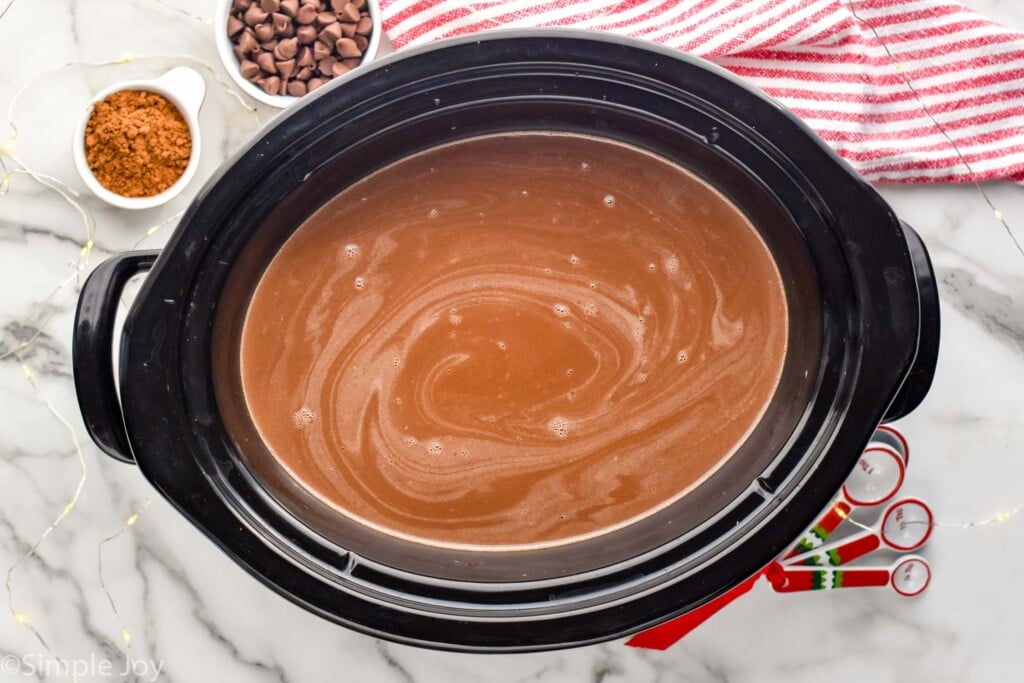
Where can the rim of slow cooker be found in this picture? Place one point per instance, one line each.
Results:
(206, 505)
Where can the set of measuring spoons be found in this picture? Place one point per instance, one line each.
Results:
(816, 563)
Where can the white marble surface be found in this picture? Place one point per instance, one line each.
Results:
(192, 611)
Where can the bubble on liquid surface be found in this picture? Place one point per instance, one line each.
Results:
(590, 310)
(502, 345)
(641, 377)
(652, 267)
(559, 426)
(454, 318)
(435, 448)
(682, 357)
(561, 310)
(568, 372)
(352, 251)
(671, 264)
(609, 200)
(584, 167)
(593, 285)
(360, 282)
(433, 213)
(575, 260)
(303, 417)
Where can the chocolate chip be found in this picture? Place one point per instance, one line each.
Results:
(248, 42)
(306, 14)
(320, 51)
(365, 26)
(304, 74)
(340, 68)
(347, 48)
(249, 69)
(325, 18)
(272, 84)
(287, 48)
(282, 24)
(326, 66)
(330, 34)
(338, 5)
(269, 45)
(305, 57)
(289, 7)
(241, 5)
(361, 42)
(255, 15)
(348, 29)
(266, 62)
(296, 88)
(270, 6)
(315, 83)
(264, 32)
(353, 62)
(239, 55)
(360, 4)
(306, 34)
(235, 25)
(286, 69)
(349, 12)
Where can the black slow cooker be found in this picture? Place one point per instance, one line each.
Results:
(863, 342)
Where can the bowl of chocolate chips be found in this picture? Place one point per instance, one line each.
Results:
(276, 51)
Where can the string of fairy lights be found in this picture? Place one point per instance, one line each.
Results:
(12, 166)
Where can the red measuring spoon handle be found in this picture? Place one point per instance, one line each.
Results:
(858, 546)
(820, 532)
(795, 580)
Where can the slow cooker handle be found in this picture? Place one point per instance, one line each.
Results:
(92, 351)
(919, 378)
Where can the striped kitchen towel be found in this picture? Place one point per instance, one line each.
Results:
(906, 90)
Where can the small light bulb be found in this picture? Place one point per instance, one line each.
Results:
(126, 637)
(21, 617)
(1003, 516)
(131, 520)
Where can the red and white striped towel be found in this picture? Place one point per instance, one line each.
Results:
(825, 59)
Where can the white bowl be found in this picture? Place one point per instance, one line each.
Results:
(233, 67)
(186, 90)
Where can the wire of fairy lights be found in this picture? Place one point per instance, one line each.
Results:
(12, 166)
(126, 636)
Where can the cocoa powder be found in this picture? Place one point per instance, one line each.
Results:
(137, 143)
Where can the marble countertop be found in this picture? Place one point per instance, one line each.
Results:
(193, 615)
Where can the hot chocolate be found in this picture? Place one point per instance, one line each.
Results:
(513, 341)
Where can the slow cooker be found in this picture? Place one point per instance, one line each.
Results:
(863, 342)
